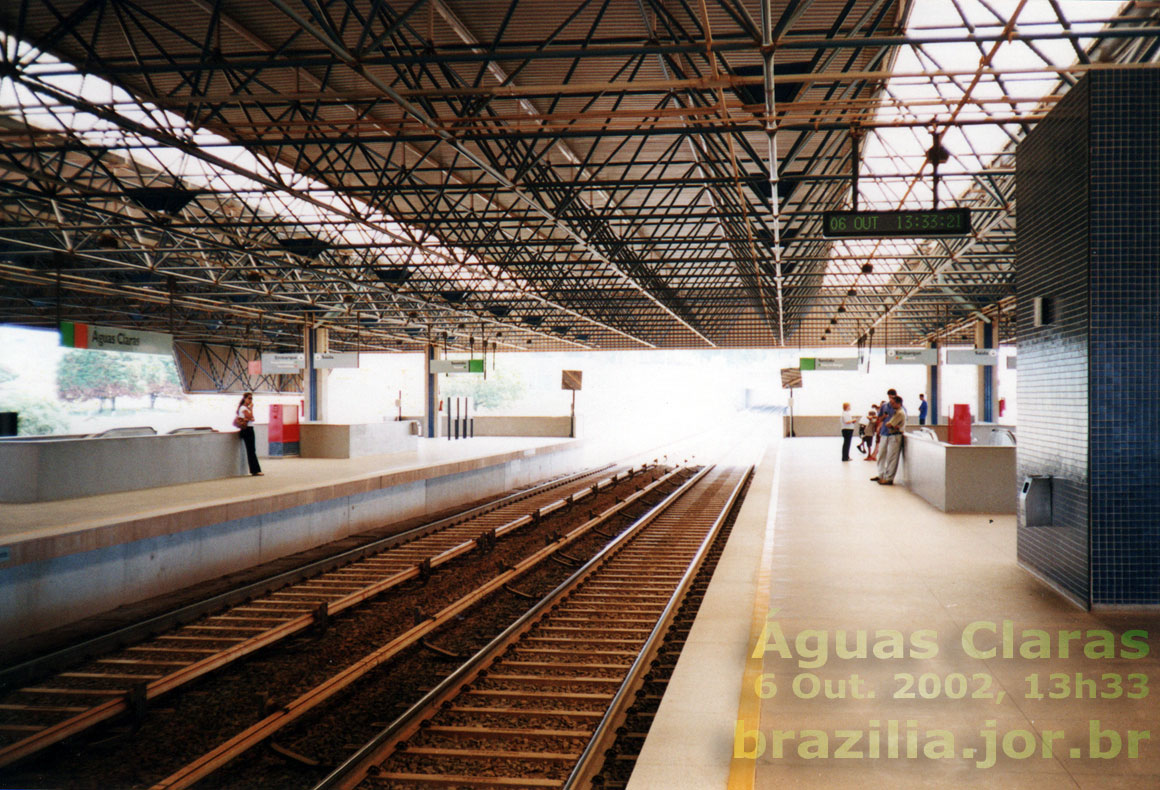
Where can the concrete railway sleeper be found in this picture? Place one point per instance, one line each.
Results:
(35, 714)
(541, 703)
(632, 726)
(261, 731)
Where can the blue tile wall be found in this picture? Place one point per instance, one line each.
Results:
(1124, 351)
(1051, 193)
(1088, 192)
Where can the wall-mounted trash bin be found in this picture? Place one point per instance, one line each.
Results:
(1036, 498)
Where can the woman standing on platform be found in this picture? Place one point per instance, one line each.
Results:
(848, 423)
(244, 422)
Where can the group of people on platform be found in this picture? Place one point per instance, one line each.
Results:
(881, 433)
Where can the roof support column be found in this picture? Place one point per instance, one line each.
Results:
(430, 392)
(985, 338)
(933, 388)
(315, 340)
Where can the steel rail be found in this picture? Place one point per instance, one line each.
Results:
(351, 772)
(155, 686)
(23, 672)
(592, 758)
(223, 753)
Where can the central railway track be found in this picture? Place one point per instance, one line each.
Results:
(38, 709)
(539, 706)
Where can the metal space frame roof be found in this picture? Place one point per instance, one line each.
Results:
(507, 174)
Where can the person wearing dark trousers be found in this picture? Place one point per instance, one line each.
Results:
(922, 407)
(866, 429)
(848, 423)
(884, 412)
(244, 422)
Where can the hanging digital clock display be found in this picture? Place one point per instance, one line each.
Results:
(896, 224)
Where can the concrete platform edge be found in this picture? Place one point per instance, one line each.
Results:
(139, 561)
(46, 543)
(690, 743)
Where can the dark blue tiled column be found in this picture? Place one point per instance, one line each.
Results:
(1088, 241)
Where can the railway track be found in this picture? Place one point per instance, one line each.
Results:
(621, 758)
(35, 714)
(211, 764)
(540, 705)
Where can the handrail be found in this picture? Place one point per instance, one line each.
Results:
(127, 431)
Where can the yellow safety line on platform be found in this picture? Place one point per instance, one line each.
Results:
(742, 770)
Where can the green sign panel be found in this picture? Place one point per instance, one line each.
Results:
(896, 224)
(828, 363)
(456, 366)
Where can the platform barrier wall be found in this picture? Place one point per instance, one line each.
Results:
(502, 425)
(79, 577)
(960, 478)
(62, 468)
(262, 439)
(332, 440)
(496, 425)
(813, 425)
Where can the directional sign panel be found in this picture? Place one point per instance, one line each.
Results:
(972, 356)
(828, 363)
(331, 359)
(912, 356)
(456, 366)
(282, 363)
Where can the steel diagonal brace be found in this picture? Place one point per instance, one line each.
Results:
(501, 76)
(190, 149)
(418, 114)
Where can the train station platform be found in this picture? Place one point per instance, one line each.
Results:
(70, 559)
(856, 636)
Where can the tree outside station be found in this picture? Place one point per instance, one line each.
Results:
(106, 375)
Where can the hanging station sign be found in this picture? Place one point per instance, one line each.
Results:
(336, 359)
(828, 363)
(282, 363)
(896, 224)
(972, 356)
(456, 366)
(104, 338)
(912, 356)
